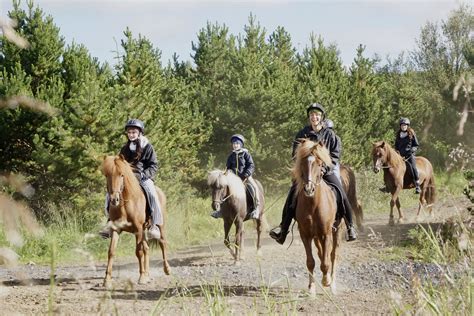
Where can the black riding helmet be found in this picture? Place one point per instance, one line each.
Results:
(404, 120)
(135, 123)
(315, 107)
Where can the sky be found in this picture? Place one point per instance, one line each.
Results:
(385, 27)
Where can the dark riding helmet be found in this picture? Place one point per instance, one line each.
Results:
(315, 107)
(136, 123)
(329, 123)
(237, 137)
(404, 120)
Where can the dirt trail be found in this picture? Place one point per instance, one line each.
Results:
(204, 279)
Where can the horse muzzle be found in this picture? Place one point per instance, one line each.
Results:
(309, 189)
(115, 199)
(216, 206)
(376, 169)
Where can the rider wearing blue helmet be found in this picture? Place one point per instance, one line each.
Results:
(241, 163)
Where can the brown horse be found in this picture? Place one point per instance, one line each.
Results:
(316, 211)
(348, 181)
(127, 213)
(396, 178)
(228, 195)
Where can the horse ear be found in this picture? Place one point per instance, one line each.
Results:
(382, 144)
(121, 157)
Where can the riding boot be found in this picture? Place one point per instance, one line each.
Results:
(289, 211)
(351, 231)
(106, 231)
(417, 187)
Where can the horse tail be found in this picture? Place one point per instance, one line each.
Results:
(431, 190)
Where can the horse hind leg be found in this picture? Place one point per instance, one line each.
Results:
(163, 246)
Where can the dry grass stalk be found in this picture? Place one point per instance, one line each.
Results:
(7, 27)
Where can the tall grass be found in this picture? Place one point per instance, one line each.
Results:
(450, 250)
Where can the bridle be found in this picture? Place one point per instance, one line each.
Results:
(308, 180)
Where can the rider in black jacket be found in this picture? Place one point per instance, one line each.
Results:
(315, 132)
(406, 144)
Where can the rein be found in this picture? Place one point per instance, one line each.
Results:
(223, 200)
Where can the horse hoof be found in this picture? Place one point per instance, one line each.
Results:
(326, 280)
(166, 269)
(391, 222)
(312, 290)
(401, 220)
(237, 263)
(259, 253)
(143, 280)
(107, 284)
(333, 287)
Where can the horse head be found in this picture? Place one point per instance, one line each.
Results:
(379, 155)
(217, 181)
(311, 157)
(113, 170)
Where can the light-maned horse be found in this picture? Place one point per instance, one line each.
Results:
(396, 178)
(316, 209)
(127, 212)
(228, 195)
(348, 181)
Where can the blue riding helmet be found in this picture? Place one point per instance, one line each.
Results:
(315, 107)
(404, 120)
(329, 123)
(136, 123)
(237, 137)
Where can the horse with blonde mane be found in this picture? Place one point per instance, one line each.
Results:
(127, 212)
(228, 195)
(316, 209)
(396, 178)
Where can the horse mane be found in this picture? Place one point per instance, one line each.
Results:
(116, 165)
(218, 178)
(305, 149)
(393, 158)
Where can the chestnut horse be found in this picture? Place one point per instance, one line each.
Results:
(228, 195)
(348, 181)
(316, 208)
(396, 178)
(127, 213)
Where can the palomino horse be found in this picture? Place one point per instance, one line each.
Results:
(228, 195)
(348, 181)
(396, 179)
(316, 209)
(127, 213)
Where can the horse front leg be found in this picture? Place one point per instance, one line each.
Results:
(163, 246)
(239, 240)
(336, 242)
(422, 200)
(108, 272)
(325, 258)
(227, 226)
(140, 253)
(395, 202)
(259, 233)
(310, 264)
